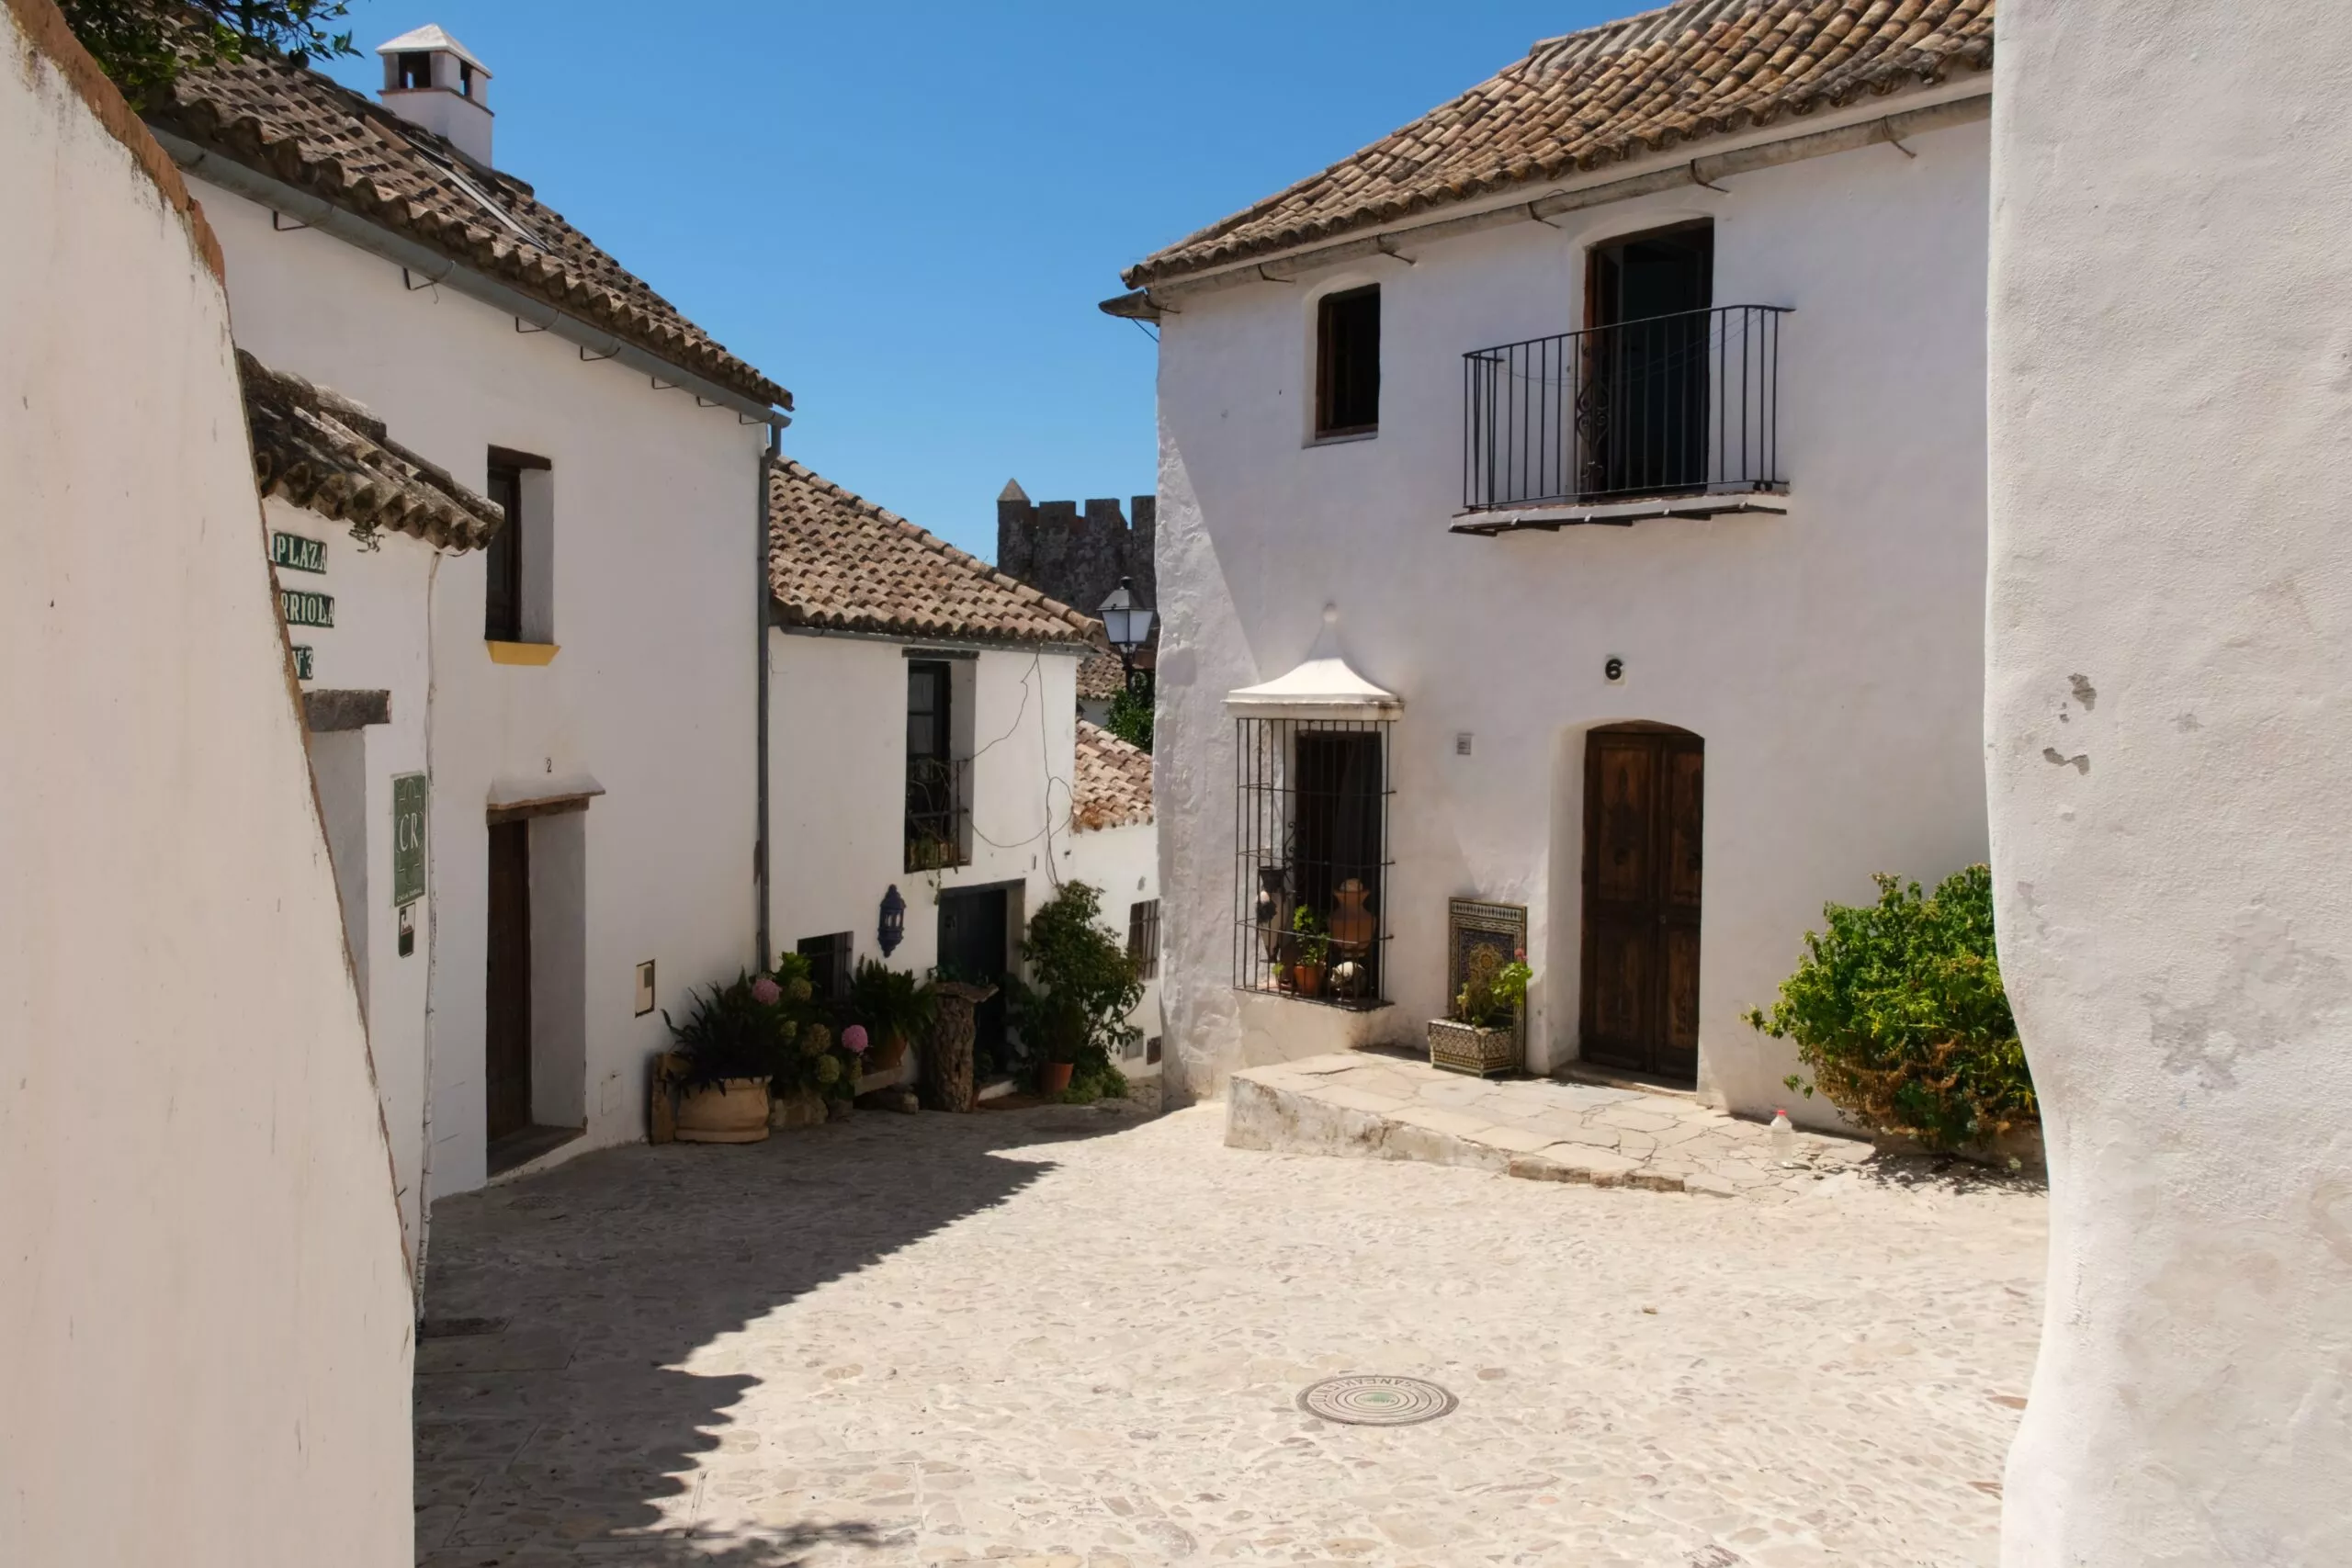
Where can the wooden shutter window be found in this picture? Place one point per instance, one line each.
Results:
(1347, 362)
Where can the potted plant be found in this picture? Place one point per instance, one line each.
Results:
(1074, 1010)
(1311, 957)
(727, 1053)
(895, 1006)
(1482, 1035)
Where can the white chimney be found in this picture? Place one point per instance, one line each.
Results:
(431, 80)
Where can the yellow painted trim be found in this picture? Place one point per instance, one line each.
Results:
(522, 652)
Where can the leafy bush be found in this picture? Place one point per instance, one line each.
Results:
(1130, 715)
(144, 44)
(891, 1001)
(735, 1031)
(1899, 1014)
(1081, 987)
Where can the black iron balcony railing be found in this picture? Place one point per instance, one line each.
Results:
(938, 814)
(1673, 405)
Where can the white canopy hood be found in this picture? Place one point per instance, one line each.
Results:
(1323, 687)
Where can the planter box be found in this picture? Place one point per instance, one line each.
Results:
(734, 1111)
(1466, 1048)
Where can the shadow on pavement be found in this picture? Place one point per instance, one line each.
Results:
(569, 1435)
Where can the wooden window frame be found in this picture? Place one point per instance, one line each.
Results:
(1327, 364)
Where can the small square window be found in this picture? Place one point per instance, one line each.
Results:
(829, 963)
(1347, 362)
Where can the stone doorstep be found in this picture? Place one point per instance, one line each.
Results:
(1282, 1109)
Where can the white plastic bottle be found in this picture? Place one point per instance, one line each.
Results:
(1784, 1137)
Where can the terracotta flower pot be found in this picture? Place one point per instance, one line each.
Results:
(1308, 979)
(734, 1111)
(1056, 1077)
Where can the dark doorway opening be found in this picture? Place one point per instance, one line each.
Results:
(506, 1023)
(1339, 852)
(1644, 792)
(974, 943)
(1644, 407)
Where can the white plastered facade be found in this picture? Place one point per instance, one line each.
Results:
(2170, 757)
(205, 1320)
(645, 581)
(837, 803)
(1831, 659)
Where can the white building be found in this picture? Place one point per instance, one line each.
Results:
(582, 691)
(924, 746)
(2169, 743)
(206, 1324)
(1628, 412)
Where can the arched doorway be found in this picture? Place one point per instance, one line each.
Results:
(1644, 792)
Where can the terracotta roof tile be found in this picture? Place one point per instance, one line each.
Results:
(1643, 85)
(322, 451)
(840, 563)
(1102, 676)
(319, 136)
(1113, 783)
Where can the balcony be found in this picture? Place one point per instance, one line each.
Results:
(939, 814)
(1672, 416)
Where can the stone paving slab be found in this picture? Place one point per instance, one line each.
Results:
(1077, 1338)
(1377, 1106)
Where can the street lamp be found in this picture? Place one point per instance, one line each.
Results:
(1128, 625)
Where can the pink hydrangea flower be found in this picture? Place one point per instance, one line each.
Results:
(854, 1040)
(766, 992)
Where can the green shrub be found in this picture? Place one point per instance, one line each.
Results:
(1899, 1014)
(1081, 988)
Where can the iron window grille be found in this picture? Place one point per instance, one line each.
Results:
(1311, 801)
(1143, 937)
(938, 816)
(1681, 404)
(829, 963)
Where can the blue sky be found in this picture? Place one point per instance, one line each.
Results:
(907, 212)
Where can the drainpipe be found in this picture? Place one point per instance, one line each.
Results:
(760, 839)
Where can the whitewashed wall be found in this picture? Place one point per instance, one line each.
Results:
(378, 643)
(657, 535)
(205, 1319)
(2169, 714)
(838, 738)
(1831, 658)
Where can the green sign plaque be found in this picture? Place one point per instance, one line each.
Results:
(297, 553)
(304, 609)
(303, 666)
(409, 795)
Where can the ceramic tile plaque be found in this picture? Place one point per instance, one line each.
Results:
(410, 794)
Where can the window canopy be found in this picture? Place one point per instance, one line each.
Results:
(1323, 687)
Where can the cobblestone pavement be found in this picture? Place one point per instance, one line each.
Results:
(1386, 1106)
(1074, 1337)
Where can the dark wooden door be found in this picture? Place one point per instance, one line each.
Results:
(1643, 808)
(973, 941)
(506, 1039)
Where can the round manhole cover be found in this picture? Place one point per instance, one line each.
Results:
(1376, 1402)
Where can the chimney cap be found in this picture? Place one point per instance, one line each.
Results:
(1013, 491)
(429, 38)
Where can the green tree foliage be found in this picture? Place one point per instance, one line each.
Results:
(1130, 715)
(1081, 988)
(143, 44)
(1898, 1012)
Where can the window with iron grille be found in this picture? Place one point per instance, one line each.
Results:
(1311, 801)
(938, 817)
(829, 963)
(1143, 937)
